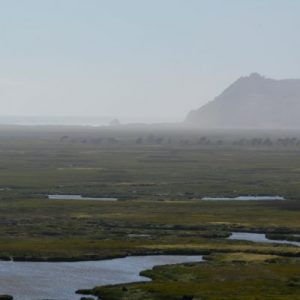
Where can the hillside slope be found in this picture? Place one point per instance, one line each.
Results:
(252, 102)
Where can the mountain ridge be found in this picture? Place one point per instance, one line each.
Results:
(253, 101)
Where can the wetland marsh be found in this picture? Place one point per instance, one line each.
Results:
(159, 209)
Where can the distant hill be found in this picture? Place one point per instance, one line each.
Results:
(252, 102)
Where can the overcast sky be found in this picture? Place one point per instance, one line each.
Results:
(144, 59)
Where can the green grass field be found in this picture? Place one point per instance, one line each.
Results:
(109, 162)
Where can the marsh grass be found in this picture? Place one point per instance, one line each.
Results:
(251, 277)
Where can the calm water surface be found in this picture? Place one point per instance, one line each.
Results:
(59, 281)
(245, 198)
(259, 237)
(78, 197)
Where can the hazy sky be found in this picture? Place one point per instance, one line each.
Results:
(152, 59)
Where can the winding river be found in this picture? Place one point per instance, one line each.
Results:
(259, 238)
(59, 281)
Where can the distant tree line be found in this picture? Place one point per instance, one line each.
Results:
(152, 139)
